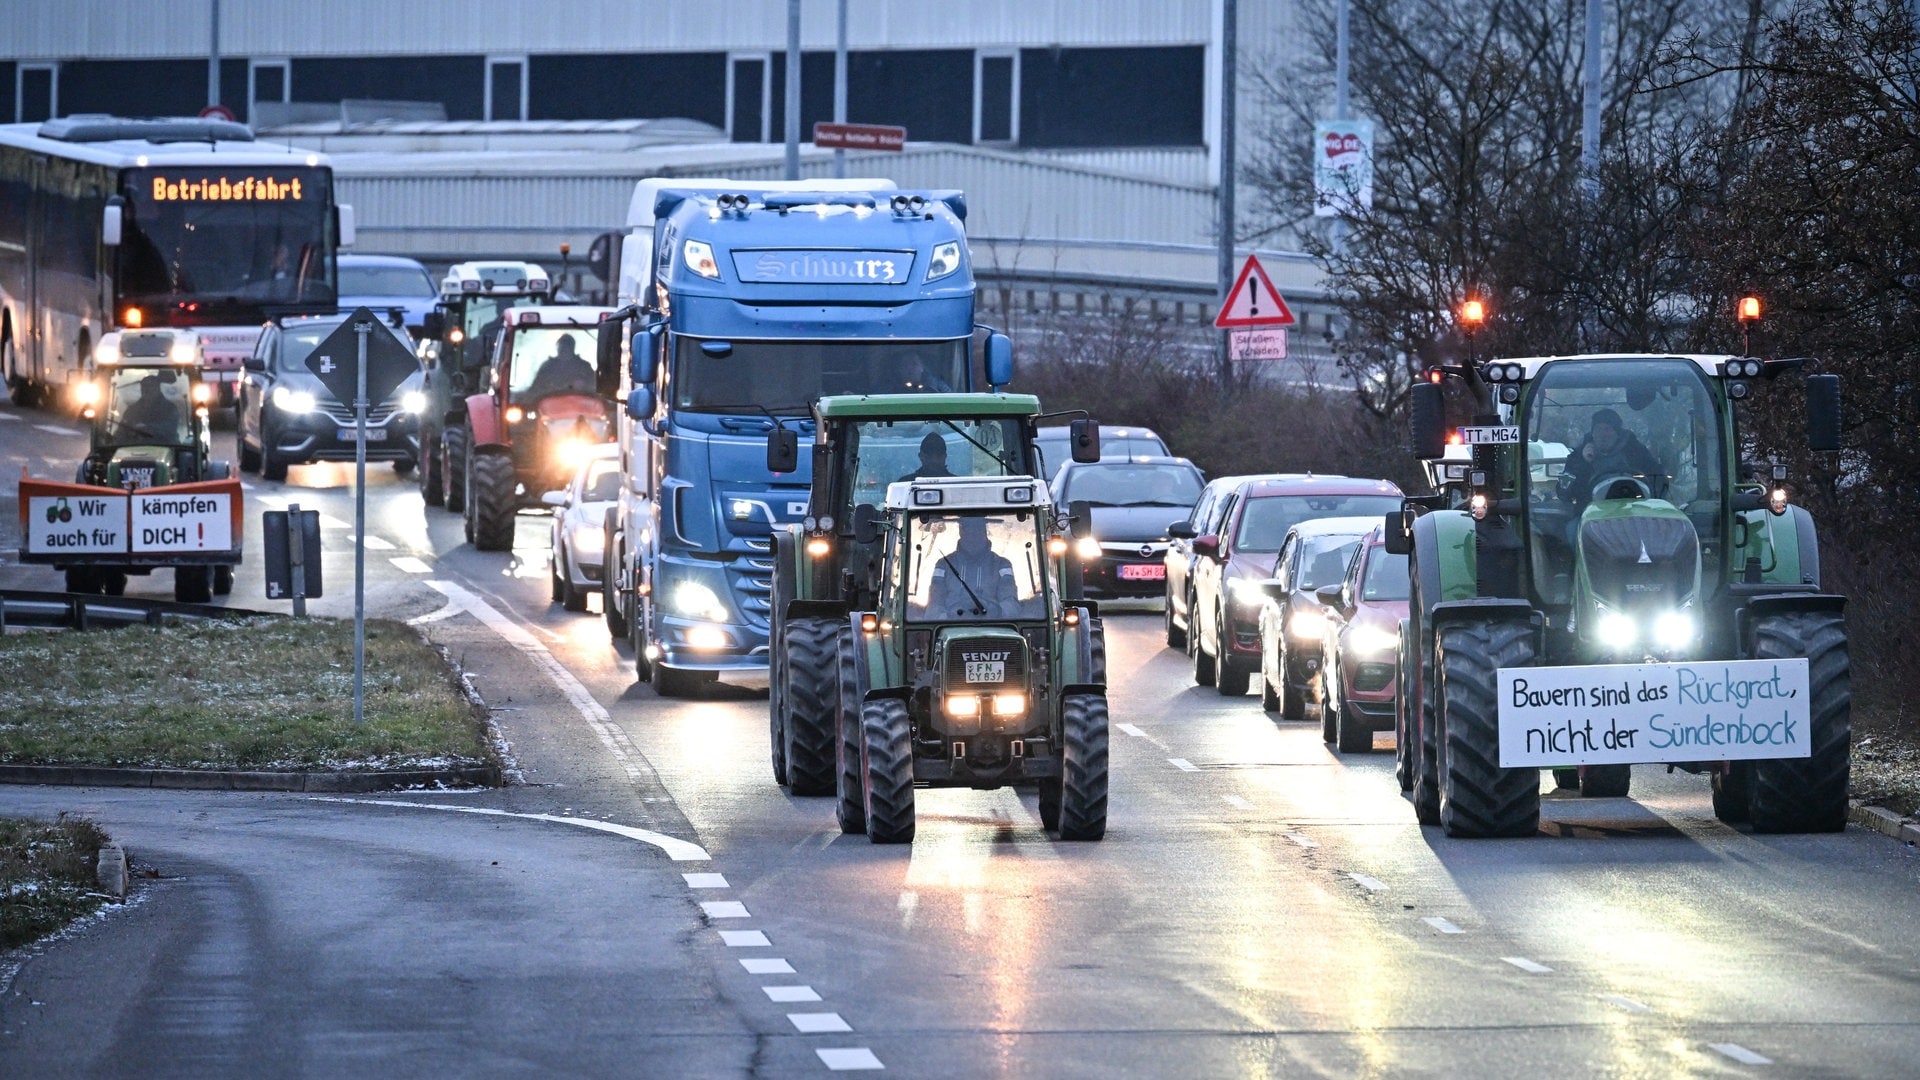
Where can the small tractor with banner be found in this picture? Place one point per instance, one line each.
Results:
(828, 564)
(973, 668)
(1607, 583)
(148, 495)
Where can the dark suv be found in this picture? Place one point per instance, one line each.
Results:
(1232, 563)
(284, 415)
(1131, 501)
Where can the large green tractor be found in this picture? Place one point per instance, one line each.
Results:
(1608, 583)
(829, 565)
(972, 669)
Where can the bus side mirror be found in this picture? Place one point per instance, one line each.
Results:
(640, 403)
(1084, 436)
(433, 323)
(1823, 412)
(1427, 408)
(343, 220)
(999, 361)
(783, 450)
(111, 220)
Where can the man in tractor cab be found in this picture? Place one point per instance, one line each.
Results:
(933, 459)
(1608, 450)
(972, 580)
(152, 415)
(565, 372)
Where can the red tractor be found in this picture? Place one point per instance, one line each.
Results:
(544, 408)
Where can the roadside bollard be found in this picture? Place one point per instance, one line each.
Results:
(111, 871)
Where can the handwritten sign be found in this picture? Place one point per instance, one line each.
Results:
(1616, 714)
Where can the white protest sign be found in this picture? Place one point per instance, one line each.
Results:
(76, 524)
(200, 521)
(1618, 714)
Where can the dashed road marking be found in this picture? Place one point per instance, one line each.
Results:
(8, 416)
(744, 939)
(1528, 966)
(790, 993)
(677, 850)
(328, 521)
(706, 881)
(1371, 884)
(766, 965)
(1183, 764)
(909, 903)
(724, 909)
(1238, 801)
(1131, 730)
(1739, 1053)
(849, 1058)
(55, 429)
(375, 543)
(1442, 925)
(1303, 840)
(1626, 1003)
(817, 1023)
(411, 565)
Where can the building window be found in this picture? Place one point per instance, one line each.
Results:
(506, 88)
(996, 86)
(748, 99)
(1151, 96)
(38, 96)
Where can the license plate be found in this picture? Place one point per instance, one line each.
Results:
(979, 671)
(1144, 572)
(373, 434)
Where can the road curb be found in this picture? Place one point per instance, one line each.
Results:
(1885, 822)
(333, 783)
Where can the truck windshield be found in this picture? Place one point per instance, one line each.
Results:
(265, 237)
(789, 376)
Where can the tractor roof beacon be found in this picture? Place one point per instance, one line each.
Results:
(1606, 520)
(973, 669)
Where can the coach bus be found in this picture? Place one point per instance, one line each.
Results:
(108, 223)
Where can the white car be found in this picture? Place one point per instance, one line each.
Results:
(579, 526)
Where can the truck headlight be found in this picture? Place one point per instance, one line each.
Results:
(694, 600)
(289, 400)
(698, 255)
(946, 259)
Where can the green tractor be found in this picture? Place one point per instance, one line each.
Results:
(1606, 583)
(829, 565)
(972, 669)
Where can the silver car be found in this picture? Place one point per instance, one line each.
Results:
(579, 526)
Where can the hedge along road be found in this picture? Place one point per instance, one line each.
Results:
(1258, 905)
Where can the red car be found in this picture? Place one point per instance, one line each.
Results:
(1231, 567)
(1361, 667)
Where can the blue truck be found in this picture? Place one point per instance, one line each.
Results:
(745, 304)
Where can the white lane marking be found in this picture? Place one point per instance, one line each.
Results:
(280, 501)
(1442, 925)
(375, 543)
(724, 909)
(1303, 840)
(1368, 883)
(706, 881)
(1183, 764)
(1131, 730)
(1626, 1003)
(1528, 966)
(790, 993)
(8, 416)
(1739, 1053)
(744, 939)
(411, 565)
(1238, 802)
(817, 1023)
(328, 521)
(849, 1058)
(55, 429)
(677, 850)
(909, 903)
(766, 965)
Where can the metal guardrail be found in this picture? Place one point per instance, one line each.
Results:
(74, 611)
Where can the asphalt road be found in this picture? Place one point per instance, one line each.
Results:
(1260, 906)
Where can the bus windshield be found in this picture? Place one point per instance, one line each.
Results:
(789, 376)
(253, 236)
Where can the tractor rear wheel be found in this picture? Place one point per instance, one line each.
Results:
(850, 805)
(84, 580)
(222, 580)
(1478, 798)
(193, 584)
(1083, 767)
(453, 451)
(1605, 781)
(1808, 794)
(1733, 792)
(1423, 728)
(811, 700)
(887, 748)
(490, 506)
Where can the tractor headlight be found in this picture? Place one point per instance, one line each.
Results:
(1674, 630)
(946, 259)
(962, 705)
(413, 401)
(1615, 630)
(1009, 704)
(290, 400)
(1306, 625)
(696, 601)
(1372, 640)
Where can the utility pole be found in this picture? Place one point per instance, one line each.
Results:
(213, 56)
(1590, 108)
(793, 89)
(1342, 59)
(1229, 85)
(840, 90)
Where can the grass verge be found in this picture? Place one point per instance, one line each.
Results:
(46, 876)
(259, 694)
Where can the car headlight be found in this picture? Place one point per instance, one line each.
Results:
(698, 255)
(1615, 630)
(572, 452)
(1306, 625)
(287, 399)
(413, 401)
(1674, 629)
(1087, 548)
(1246, 591)
(694, 600)
(1371, 640)
(589, 538)
(946, 259)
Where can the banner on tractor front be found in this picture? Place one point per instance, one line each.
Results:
(1623, 714)
(58, 519)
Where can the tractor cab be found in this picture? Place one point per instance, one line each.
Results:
(147, 406)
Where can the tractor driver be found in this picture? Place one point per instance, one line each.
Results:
(1609, 450)
(933, 459)
(152, 414)
(972, 580)
(565, 372)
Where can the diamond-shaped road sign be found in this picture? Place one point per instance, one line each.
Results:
(336, 360)
(1253, 301)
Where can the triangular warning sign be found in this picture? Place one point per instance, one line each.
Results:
(1253, 301)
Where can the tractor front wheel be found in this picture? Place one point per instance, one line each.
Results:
(1083, 767)
(888, 749)
(850, 805)
(490, 506)
(1478, 798)
(193, 584)
(811, 700)
(1605, 781)
(453, 451)
(432, 467)
(1423, 730)
(1733, 792)
(1809, 794)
